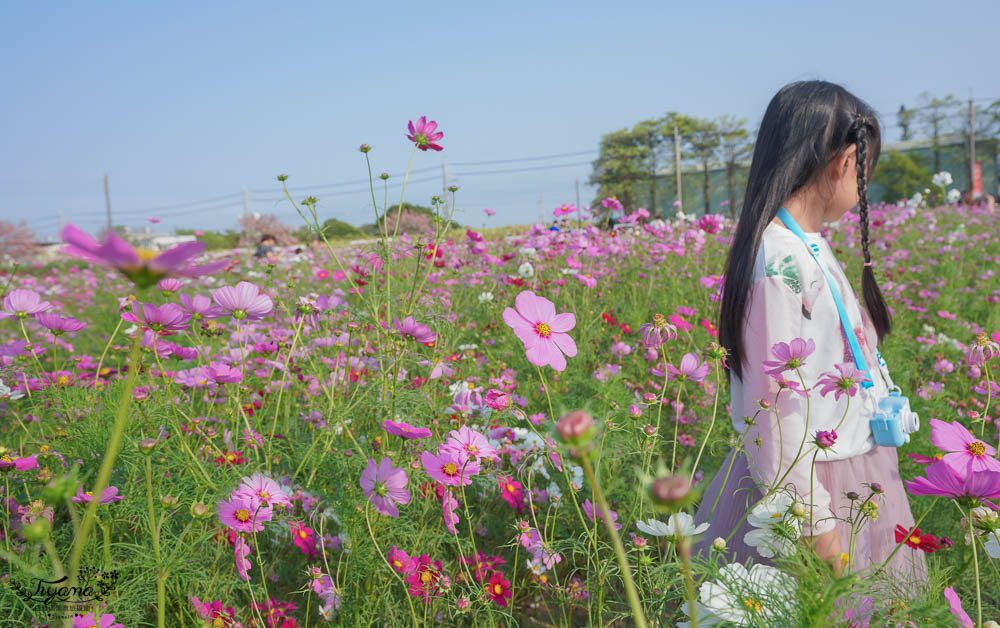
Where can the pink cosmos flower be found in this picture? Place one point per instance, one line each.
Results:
(241, 514)
(384, 486)
(58, 325)
(108, 495)
(511, 492)
(405, 430)
(419, 332)
(591, 511)
(262, 490)
(422, 134)
(446, 467)
(489, 212)
(983, 349)
(200, 306)
(955, 606)
(241, 550)
(564, 210)
(690, 369)
(88, 621)
(169, 285)
(164, 319)
(449, 505)
(466, 443)
(789, 355)
(966, 454)
(845, 380)
(141, 266)
(213, 610)
(497, 399)
(542, 331)
(22, 303)
(223, 373)
(26, 463)
(244, 301)
(943, 480)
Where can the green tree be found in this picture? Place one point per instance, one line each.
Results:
(901, 175)
(651, 133)
(904, 117)
(735, 147)
(704, 140)
(622, 165)
(937, 117)
(685, 125)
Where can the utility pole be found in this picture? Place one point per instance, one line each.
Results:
(578, 196)
(444, 185)
(677, 168)
(107, 198)
(246, 201)
(972, 143)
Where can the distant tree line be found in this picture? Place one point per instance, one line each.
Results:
(638, 165)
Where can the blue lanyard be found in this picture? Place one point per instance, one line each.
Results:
(852, 339)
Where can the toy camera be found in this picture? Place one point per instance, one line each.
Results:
(894, 422)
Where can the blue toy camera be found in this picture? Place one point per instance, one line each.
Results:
(894, 422)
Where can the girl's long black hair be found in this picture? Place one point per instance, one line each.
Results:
(806, 125)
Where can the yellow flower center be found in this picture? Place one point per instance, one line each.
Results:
(264, 495)
(88, 494)
(450, 468)
(543, 330)
(752, 605)
(398, 564)
(915, 539)
(497, 589)
(63, 380)
(145, 254)
(425, 577)
(511, 488)
(303, 534)
(219, 622)
(977, 448)
(231, 457)
(242, 515)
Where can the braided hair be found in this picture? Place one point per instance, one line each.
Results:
(869, 286)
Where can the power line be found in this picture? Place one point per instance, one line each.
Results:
(523, 159)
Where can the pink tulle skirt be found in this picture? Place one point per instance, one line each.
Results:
(874, 542)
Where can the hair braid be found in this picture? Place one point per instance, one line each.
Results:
(869, 287)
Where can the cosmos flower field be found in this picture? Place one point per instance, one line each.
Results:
(458, 429)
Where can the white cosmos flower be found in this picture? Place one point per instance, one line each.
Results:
(942, 179)
(7, 393)
(954, 195)
(679, 524)
(992, 544)
(742, 596)
(485, 297)
(705, 616)
(915, 200)
(526, 270)
(775, 528)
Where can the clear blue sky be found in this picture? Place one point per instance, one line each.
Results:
(194, 101)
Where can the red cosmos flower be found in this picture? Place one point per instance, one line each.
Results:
(304, 538)
(498, 589)
(609, 318)
(424, 577)
(230, 458)
(927, 542)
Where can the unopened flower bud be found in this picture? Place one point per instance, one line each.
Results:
(199, 510)
(719, 544)
(147, 445)
(670, 489)
(462, 604)
(650, 430)
(877, 488)
(852, 495)
(444, 582)
(798, 509)
(649, 397)
(365, 148)
(384, 176)
(635, 410)
(282, 177)
(169, 501)
(764, 404)
(639, 542)
(574, 426)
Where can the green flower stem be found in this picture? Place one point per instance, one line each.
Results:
(908, 533)
(110, 456)
(154, 530)
(975, 565)
(715, 412)
(633, 597)
(684, 549)
(385, 560)
(281, 389)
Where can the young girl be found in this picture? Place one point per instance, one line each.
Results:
(815, 151)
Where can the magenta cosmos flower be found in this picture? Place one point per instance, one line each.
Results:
(423, 134)
(88, 621)
(942, 479)
(385, 486)
(142, 266)
(243, 301)
(199, 306)
(58, 325)
(845, 380)
(966, 454)
(22, 304)
(108, 495)
(448, 468)
(222, 373)
(690, 369)
(419, 332)
(405, 430)
(789, 355)
(542, 331)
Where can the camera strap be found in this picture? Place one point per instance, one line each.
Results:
(814, 251)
